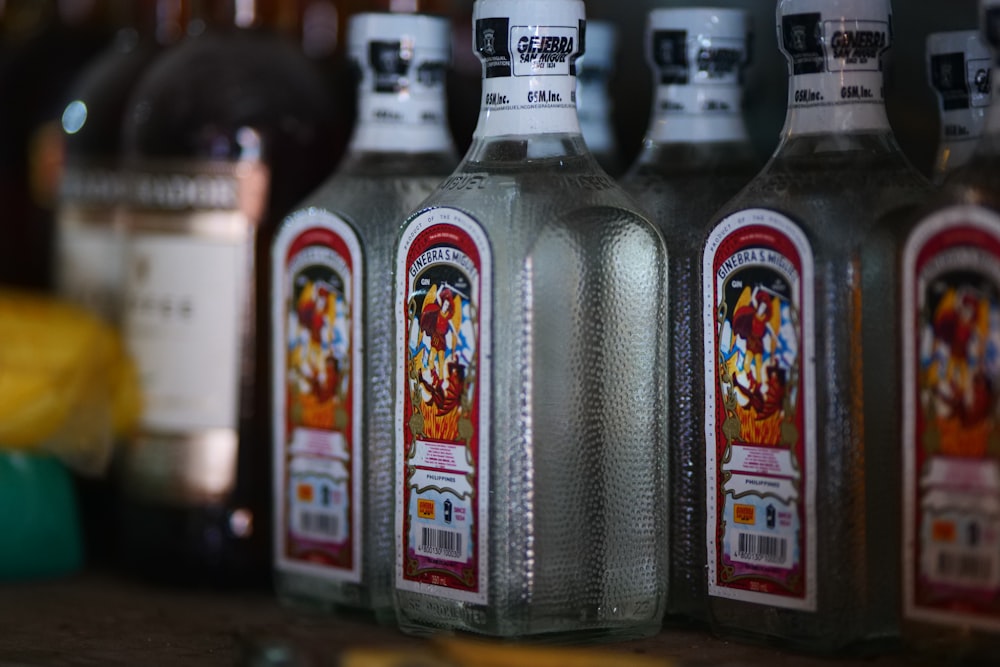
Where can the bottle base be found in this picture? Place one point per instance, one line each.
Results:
(312, 594)
(425, 616)
(191, 546)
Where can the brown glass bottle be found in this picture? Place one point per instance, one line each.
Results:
(224, 134)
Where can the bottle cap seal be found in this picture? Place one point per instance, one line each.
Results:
(839, 36)
(698, 45)
(390, 43)
(958, 68)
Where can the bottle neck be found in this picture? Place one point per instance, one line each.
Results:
(400, 118)
(684, 113)
(527, 105)
(836, 102)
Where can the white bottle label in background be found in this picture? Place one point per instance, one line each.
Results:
(89, 241)
(317, 316)
(401, 105)
(189, 312)
(951, 462)
(760, 413)
(443, 306)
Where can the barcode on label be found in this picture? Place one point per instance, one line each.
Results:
(757, 548)
(966, 568)
(321, 524)
(445, 544)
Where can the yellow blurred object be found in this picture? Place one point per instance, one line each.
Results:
(449, 651)
(67, 387)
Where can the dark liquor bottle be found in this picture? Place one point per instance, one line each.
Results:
(88, 260)
(696, 156)
(332, 311)
(530, 353)
(35, 77)
(798, 297)
(950, 339)
(224, 135)
(958, 66)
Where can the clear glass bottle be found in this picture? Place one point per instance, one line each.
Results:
(695, 157)
(332, 262)
(950, 344)
(88, 245)
(224, 134)
(593, 97)
(798, 301)
(958, 69)
(530, 364)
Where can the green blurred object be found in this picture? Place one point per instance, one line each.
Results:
(39, 525)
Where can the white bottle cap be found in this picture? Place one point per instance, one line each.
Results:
(697, 45)
(529, 50)
(420, 37)
(531, 12)
(816, 35)
(403, 61)
(836, 51)
(958, 67)
(838, 10)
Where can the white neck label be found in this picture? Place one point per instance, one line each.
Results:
(836, 67)
(529, 84)
(401, 102)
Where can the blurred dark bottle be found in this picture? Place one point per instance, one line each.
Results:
(52, 42)
(223, 135)
(950, 378)
(958, 69)
(695, 157)
(87, 251)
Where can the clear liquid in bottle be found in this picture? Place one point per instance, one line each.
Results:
(332, 318)
(798, 301)
(530, 365)
(696, 156)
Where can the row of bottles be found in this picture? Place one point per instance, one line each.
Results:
(512, 395)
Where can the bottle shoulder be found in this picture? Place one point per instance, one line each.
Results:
(99, 98)
(210, 87)
(368, 199)
(833, 186)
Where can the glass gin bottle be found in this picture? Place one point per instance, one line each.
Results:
(332, 314)
(798, 303)
(530, 364)
(951, 437)
(696, 156)
(958, 67)
(225, 133)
